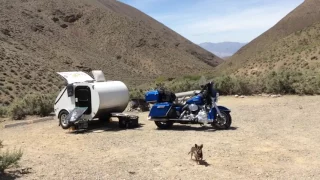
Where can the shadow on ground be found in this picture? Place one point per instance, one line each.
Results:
(98, 127)
(204, 163)
(14, 174)
(194, 128)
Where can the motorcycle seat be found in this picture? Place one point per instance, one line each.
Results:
(177, 105)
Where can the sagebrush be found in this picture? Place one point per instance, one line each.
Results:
(32, 104)
(281, 82)
(3, 111)
(9, 159)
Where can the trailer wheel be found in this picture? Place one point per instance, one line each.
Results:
(62, 119)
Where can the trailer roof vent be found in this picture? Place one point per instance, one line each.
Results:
(98, 75)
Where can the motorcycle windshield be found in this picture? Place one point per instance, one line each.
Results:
(202, 81)
(75, 114)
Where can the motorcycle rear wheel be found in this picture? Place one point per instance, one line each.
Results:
(164, 124)
(223, 122)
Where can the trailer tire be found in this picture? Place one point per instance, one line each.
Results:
(62, 115)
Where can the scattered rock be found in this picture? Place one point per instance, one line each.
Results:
(72, 18)
(236, 96)
(63, 25)
(156, 45)
(6, 32)
(37, 28)
(138, 105)
(265, 95)
(141, 43)
(58, 12)
(242, 96)
(54, 19)
(275, 96)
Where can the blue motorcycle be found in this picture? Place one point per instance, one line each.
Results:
(199, 109)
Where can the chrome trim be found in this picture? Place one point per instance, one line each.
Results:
(169, 119)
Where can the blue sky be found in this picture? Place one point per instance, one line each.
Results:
(217, 20)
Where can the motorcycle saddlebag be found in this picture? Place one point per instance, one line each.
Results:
(160, 110)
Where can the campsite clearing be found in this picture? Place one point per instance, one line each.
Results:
(270, 138)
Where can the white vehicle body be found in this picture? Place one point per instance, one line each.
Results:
(100, 96)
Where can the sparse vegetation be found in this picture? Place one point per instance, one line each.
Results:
(3, 111)
(280, 82)
(8, 158)
(158, 54)
(32, 104)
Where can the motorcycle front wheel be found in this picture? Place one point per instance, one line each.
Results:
(223, 122)
(164, 124)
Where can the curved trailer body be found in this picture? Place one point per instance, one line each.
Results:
(101, 99)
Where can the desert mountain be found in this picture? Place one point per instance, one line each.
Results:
(292, 44)
(39, 38)
(222, 49)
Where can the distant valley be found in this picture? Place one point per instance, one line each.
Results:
(222, 49)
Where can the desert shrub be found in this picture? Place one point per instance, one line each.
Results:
(242, 86)
(39, 104)
(161, 79)
(181, 86)
(17, 110)
(283, 82)
(31, 104)
(9, 159)
(224, 85)
(1, 144)
(136, 93)
(3, 111)
(192, 77)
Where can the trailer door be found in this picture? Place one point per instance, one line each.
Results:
(83, 98)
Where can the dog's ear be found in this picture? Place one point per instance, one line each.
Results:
(201, 146)
(196, 145)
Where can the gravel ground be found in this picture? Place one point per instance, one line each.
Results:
(270, 138)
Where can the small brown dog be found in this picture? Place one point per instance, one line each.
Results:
(72, 128)
(197, 152)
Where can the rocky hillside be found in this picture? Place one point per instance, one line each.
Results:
(39, 38)
(292, 44)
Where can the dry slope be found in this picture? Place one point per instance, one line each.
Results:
(39, 38)
(292, 44)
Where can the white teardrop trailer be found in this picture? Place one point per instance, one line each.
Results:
(84, 99)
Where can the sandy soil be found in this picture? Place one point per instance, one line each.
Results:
(270, 138)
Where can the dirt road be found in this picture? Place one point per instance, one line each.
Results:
(270, 138)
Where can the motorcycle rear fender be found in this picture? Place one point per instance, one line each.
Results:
(160, 110)
(212, 115)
